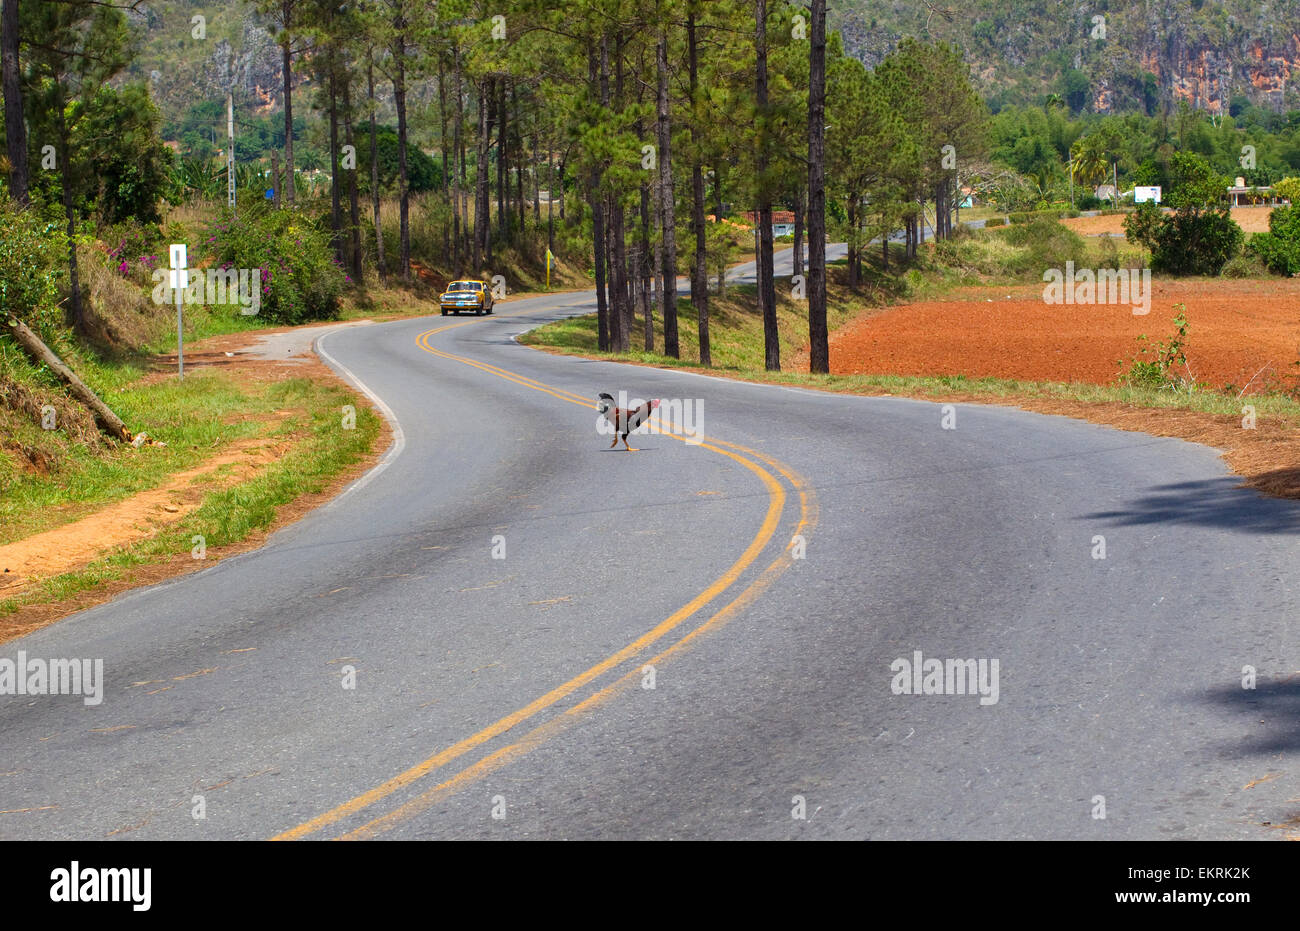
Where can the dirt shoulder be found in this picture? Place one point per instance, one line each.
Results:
(77, 550)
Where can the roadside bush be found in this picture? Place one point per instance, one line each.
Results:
(1088, 202)
(1157, 368)
(1108, 253)
(300, 279)
(1049, 213)
(1199, 237)
(1047, 244)
(1279, 248)
(33, 253)
(1189, 241)
(422, 172)
(1245, 265)
(995, 221)
(135, 250)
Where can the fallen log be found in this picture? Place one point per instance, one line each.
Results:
(35, 347)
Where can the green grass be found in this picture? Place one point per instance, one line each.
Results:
(193, 418)
(228, 515)
(735, 330)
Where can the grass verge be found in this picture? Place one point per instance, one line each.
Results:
(304, 414)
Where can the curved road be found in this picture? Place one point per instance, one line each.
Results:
(650, 658)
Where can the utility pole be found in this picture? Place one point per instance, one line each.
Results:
(230, 150)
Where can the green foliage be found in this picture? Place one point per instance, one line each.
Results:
(33, 251)
(1047, 244)
(1199, 237)
(1289, 188)
(1194, 184)
(1050, 213)
(1142, 225)
(118, 140)
(1279, 248)
(422, 172)
(1189, 243)
(198, 178)
(1155, 367)
(300, 277)
(1244, 266)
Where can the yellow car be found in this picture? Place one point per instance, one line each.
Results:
(466, 294)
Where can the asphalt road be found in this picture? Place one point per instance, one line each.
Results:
(510, 697)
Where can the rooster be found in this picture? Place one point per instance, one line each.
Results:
(624, 420)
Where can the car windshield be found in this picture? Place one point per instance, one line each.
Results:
(465, 286)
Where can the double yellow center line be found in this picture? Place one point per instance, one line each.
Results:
(746, 457)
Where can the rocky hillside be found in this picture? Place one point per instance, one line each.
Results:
(1143, 54)
(185, 59)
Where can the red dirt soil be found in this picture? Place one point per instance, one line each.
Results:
(1236, 329)
(1250, 219)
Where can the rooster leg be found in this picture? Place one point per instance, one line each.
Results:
(631, 449)
(615, 443)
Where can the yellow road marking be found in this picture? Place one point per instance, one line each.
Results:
(776, 504)
(562, 722)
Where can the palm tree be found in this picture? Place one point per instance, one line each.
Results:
(1089, 159)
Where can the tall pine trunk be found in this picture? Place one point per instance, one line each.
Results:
(447, 248)
(354, 206)
(15, 129)
(459, 222)
(76, 316)
(374, 166)
(668, 297)
(818, 337)
(482, 196)
(797, 251)
(503, 171)
(403, 186)
(646, 271)
(620, 329)
(599, 244)
(287, 67)
(336, 213)
(765, 269)
(700, 269)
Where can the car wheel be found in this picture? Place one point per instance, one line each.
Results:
(444, 311)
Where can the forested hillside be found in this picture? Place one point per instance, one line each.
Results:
(1217, 56)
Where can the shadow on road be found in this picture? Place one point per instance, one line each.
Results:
(1276, 702)
(1219, 502)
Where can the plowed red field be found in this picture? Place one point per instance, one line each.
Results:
(1238, 331)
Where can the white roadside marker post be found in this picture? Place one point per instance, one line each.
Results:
(179, 281)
